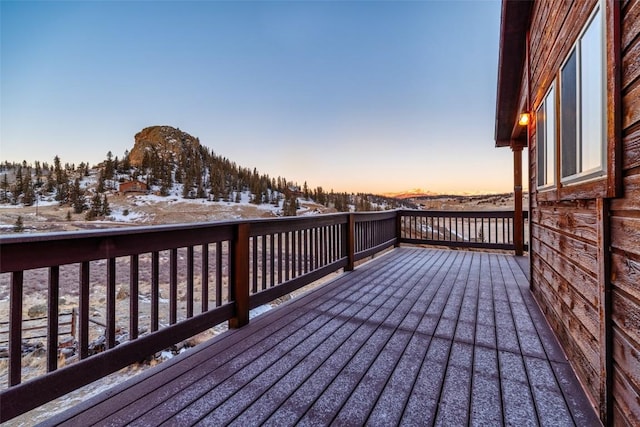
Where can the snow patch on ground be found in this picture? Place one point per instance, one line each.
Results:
(132, 216)
(259, 310)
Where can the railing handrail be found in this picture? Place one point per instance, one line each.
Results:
(498, 213)
(15, 259)
(267, 258)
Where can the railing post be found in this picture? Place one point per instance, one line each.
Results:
(240, 276)
(518, 221)
(398, 227)
(351, 256)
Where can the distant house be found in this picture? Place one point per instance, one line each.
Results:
(133, 187)
(571, 71)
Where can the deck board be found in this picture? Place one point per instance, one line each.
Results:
(415, 337)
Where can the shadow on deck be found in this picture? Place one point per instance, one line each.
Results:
(415, 337)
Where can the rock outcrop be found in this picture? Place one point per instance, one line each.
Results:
(166, 142)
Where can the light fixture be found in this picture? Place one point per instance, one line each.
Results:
(524, 119)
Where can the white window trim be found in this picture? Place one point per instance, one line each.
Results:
(598, 172)
(554, 166)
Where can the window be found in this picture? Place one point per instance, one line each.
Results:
(582, 80)
(546, 139)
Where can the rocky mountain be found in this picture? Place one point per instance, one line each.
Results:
(411, 194)
(165, 142)
(171, 163)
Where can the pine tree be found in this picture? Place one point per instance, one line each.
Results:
(26, 179)
(96, 208)
(186, 190)
(50, 184)
(58, 171)
(100, 188)
(38, 172)
(18, 227)
(106, 210)
(290, 203)
(4, 198)
(28, 193)
(108, 166)
(18, 184)
(76, 197)
(96, 204)
(126, 163)
(305, 191)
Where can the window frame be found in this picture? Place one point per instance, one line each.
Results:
(550, 97)
(580, 174)
(610, 183)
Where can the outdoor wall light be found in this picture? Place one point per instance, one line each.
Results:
(524, 119)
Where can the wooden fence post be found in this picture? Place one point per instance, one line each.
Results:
(74, 313)
(239, 286)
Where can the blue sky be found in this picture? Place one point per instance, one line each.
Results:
(369, 96)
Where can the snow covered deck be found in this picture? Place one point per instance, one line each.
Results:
(415, 337)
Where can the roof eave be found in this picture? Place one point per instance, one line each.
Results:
(514, 25)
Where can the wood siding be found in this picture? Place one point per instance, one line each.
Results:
(570, 278)
(625, 233)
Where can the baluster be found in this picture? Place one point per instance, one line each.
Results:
(307, 250)
(155, 289)
(316, 247)
(219, 274)
(189, 281)
(173, 286)
(254, 251)
(83, 324)
(280, 258)
(204, 300)
(325, 248)
(134, 268)
(264, 266)
(338, 248)
(111, 303)
(272, 260)
(52, 318)
(15, 328)
(300, 253)
(287, 255)
(504, 220)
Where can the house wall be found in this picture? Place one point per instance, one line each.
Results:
(132, 186)
(569, 255)
(625, 232)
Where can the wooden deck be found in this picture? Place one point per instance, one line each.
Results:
(415, 337)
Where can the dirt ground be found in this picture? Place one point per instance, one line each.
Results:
(141, 211)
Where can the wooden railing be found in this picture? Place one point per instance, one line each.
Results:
(193, 277)
(462, 229)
